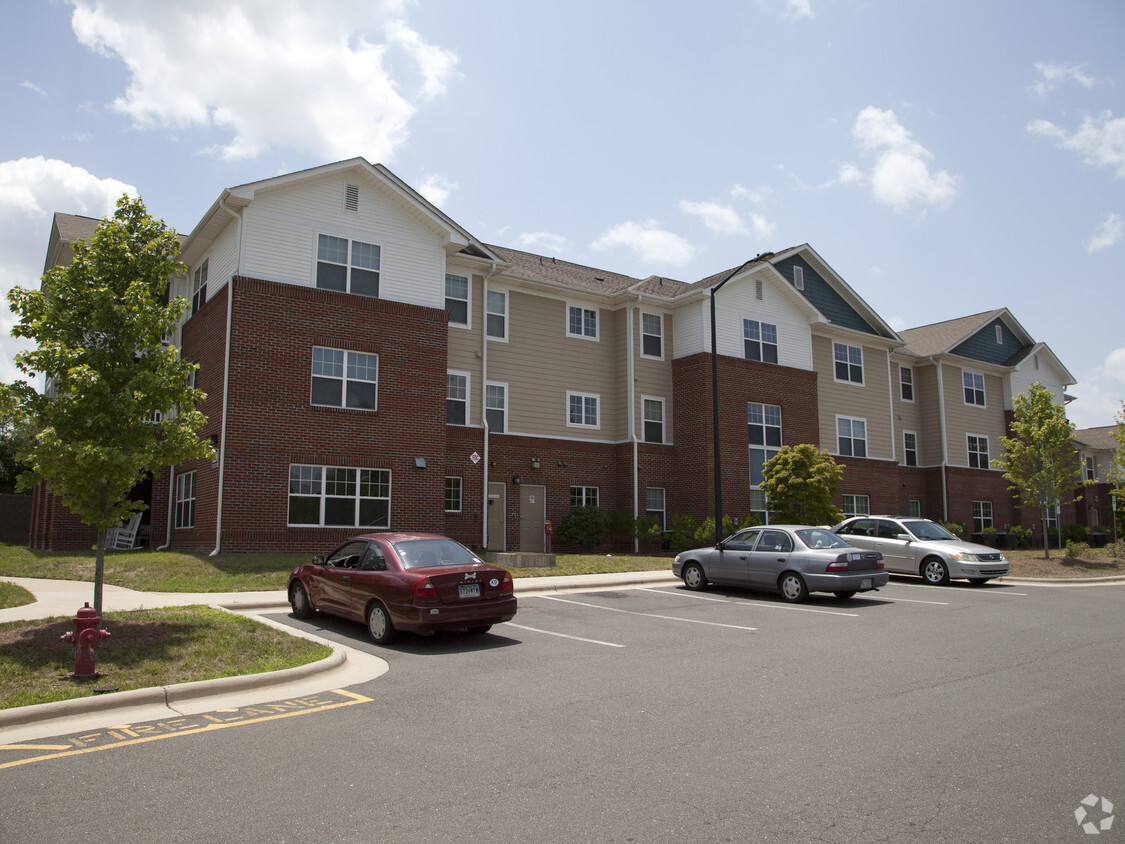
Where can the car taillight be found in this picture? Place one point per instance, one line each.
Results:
(424, 588)
(840, 564)
(506, 585)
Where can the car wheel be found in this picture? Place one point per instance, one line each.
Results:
(379, 624)
(935, 571)
(480, 630)
(299, 599)
(694, 578)
(979, 581)
(792, 587)
(843, 596)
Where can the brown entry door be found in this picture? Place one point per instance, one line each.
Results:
(497, 523)
(533, 515)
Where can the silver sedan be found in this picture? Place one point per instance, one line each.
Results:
(791, 559)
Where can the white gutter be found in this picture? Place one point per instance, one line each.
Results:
(891, 401)
(483, 399)
(226, 387)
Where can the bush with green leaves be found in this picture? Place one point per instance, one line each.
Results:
(1073, 532)
(584, 528)
(684, 528)
(1019, 537)
(705, 533)
(956, 528)
(1078, 550)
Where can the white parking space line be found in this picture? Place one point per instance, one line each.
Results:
(683, 594)
(971, 591)
(645, 614)
(909, 601)
(563, 635)
(753, 604)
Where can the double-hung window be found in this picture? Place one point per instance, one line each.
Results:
(906, 383)
(349, 266)
(457, 298)
(582, 322)
(764, 431)
(1091, 469)
(496, 314)
(982, 515)
(910, 448)
(582, 410)
(654, 505)
(583, 496)
(496, 407)
(199, 287)
(653, 412)
(338, 496)
(457, 398)
(848, 362)
(856, 505)
(453, 494)
(759, 340)
(185, 500)
(851, 436)
(974, 388)
(344, 379)
(652, 336)
(978, 452)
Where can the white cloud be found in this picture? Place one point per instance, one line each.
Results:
(757, 196)
(650, 243)
(798, 9)
(31, 86)
(274, 73)
(542, 242)
(721, 219)
(1051, 75)
(1098, 394)
(1100, 140)
(437, 189)
(901, 174)
(1106, 235)
(31, 190)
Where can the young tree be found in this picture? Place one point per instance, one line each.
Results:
(118, 404)
(1115, 474)
(800, 482)
(1040, 461)
(16, 436)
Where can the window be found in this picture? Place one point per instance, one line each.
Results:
(849, 362)
(910, 448)
(344, 379)
(654, 505)
(496, 314)
(336, 496)
(652, 336)
(199, 287)
(349, 266)
(456, 398)
(759, 340)
(978, 452)
(457, 298)
(582, 322)
(496, 406)
(856, 505)
(851, 436)
(452, 495)
(185, 500)
(974, 388)
(1052, 515)
(759, 507)
(982, 515)
(582, 410)
(906, 382)
(583, 496)
(764, 433)
(1091, 469)
(653, 420)
(914, 508)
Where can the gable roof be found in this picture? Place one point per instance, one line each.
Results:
(1097, 439)
(940, 338)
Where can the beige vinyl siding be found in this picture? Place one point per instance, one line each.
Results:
(929, 415)
(464, 349)
(653, 377)
(962, 419)
(869, 401)
(908, 415)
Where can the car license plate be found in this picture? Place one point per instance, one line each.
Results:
(865, 583)
(468, 590)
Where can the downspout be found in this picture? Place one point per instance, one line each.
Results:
(484, 399)
(891, 402)
(226, 386)
(944, 446)
(631, 392)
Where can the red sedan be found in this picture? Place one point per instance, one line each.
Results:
(418, 582)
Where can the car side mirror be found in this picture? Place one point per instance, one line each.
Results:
(903, 536)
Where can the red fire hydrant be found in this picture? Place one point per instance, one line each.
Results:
(85, 638)
(547, 528)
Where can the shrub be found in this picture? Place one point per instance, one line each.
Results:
(990, 534)
(1116, 549)
(683, 532)
(956, 528)
(1077, 550)
(1019, 537)
(584, 528)
(705, 533)
(1074, 532)
(621, 529)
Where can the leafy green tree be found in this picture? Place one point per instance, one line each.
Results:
(1115, 474)
(1040, 460)
(800, 482)
(584, 528)
(118, 404)
(16, 436)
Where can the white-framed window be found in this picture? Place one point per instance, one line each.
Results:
(344, 379)
(856, 505)
(653, 413)
(978, 451)
(581, 322)
(982, 515)
(974, 388)
(582, 410)
(906, 383)
(759, 506)
(654, 505)
(349, 266)
(453, 494)
(851, 436)
(910, 448)
(848, 362)
(496, 314)
(339, 496)
(583, 496)
(1091, 469)
(496, 406)
(652, 336)
(457, 298)
(185, 500)
(759, 340)
(457, 398)
(764, 435)
(199, 287)
(1052, 515)
(914, 508)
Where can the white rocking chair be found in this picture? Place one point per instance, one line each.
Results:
(122, 538)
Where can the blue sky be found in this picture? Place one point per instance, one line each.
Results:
(946, 157)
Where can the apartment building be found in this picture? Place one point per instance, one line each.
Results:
(370, 364)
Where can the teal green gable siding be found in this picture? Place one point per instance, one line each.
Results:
(824, 297)
(982, 345)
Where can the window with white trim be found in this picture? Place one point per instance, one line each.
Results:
(856, 505)
(910, 448)
(851, 436)
(582, 410)
(344, 379)
(496, 314)
(914, 508)
(453, 494)
(338, 496)
(764, 435)
(759, 340)
(349, 266)
(906, 383)
(974, 388)
(982, 515)
(654, 505)
(1091, 469)
(652, 336)
(496, 407)
(978, 451)
(582, 322)
(457, 298)
(848, 361)
(199, 287)
(457, 398)
(653, 413)
(583, 496)
(185, 500)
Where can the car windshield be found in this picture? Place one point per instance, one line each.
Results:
(821, 538)
(929, 530)
(421, 553)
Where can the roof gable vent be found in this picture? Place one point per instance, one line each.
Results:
(799, 278)
(351, 197)
(758, 289)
